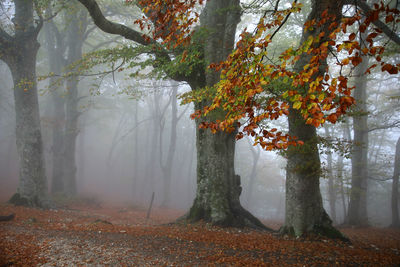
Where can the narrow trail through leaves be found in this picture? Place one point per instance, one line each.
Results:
(113, 236)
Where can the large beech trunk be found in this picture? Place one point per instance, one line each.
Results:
(218, 187)
(304, 209)
(21, 59)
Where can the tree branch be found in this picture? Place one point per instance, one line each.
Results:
(384, 127)
(378, 23)
(112, 27)
(115, 28)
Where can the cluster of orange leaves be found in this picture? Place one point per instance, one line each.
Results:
(246, 77)
(168, 20)
(246, 91)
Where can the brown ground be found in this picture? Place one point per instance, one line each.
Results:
(105, 236)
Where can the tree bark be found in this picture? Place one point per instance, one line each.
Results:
(56, 49)
(357, 212)
(218, 187)
(304, 210)
(19, 52)
(395, 187)
(167, 167)
(253, 174)
(331, 181)
(77, 20)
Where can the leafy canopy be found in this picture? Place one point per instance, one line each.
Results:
(251, 90)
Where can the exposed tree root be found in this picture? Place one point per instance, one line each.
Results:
(238, 217)
(320, 230)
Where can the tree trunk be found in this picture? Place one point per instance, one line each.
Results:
(304, 209)
(55, 51)
(218, 188)
(76, 19)
(253, 175)
(331, 182)
(357, 212)
(395, 187)
(167, 167)
(340, 178)
(21, 59)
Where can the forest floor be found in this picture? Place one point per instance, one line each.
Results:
(89, 235)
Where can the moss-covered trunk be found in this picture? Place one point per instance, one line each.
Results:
(20, 56)
(304, 210)
(218, 187)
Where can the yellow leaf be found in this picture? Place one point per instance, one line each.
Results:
(297, 105)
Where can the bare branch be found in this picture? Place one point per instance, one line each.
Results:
(395, 124)
(111, 27)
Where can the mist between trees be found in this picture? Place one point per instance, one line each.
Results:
(113, 126)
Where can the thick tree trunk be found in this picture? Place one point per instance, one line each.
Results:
(21, 59)
(357, 212)
(218, 188)
(395, 187)
(304, 209)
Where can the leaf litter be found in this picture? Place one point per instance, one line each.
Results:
(85, 235)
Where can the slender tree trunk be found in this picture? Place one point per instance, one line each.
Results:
(331, 182)
(304, 209)
(395, 187)
(253, 175)
(357, 213)
(135, 177)
(340, 178)
(55, 51)
(77, 22)
(167, 167)
(21, 59)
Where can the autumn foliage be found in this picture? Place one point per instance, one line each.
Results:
(253, 90)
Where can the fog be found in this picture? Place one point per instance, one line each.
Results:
(129, 128)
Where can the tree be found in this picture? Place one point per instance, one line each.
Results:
(302, 89)
(64, 49)
(218, 188)
(18, 51)
(357, 212)
(395, 187)
(55, 46)
(77, 21)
